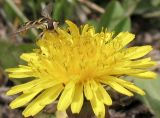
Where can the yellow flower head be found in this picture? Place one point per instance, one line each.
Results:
(74, 63)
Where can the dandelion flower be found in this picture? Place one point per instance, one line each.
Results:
(74, 63)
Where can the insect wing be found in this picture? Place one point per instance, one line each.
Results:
(46, 12)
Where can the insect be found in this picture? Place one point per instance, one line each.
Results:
(44, 23)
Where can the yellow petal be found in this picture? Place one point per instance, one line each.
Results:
(110, 81)
(142, 63)
(121, 40)
(88, 91)
(20, 75)
(94, 85)
(111, 78)
(66, 97)
(130, 86)
(134, 89)
(125, 70)
(145, 75)
(29, 56)
(137, 52)
(22, 87)
(119, 88)
(96, 91)
(98, 107)
(85, 29)
(23, 99)
(45, 98)
(65, 35)
(19, 70)
(43, 84)
(77, 101)
(73, 29)
(105, 96)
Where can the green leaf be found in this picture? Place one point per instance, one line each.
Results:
(152, 97)
(63, 10)
(58, 10)
(152, 87)
(129, 6)
(9, 53)
(124, 25)
(152, 104)
(114, 13)
(32, 5)
(92, 22)
(143, 6)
